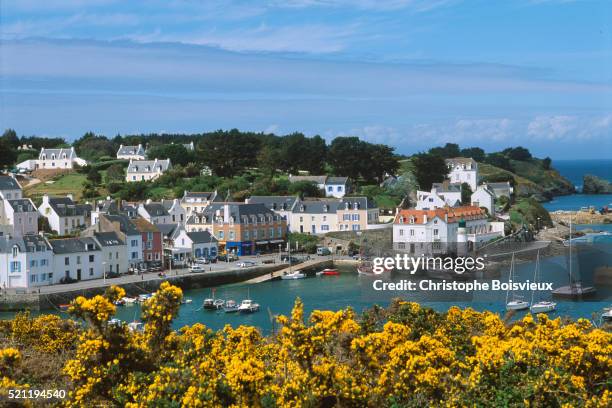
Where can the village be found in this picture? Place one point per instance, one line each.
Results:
(105, 238)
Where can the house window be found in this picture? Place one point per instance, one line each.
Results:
(435, 231)
(91, 258)
(15, 267)
(33, 278)
(78, 259)
(134, 255)
(15, 251)
(232, 235)
(149, 236)
(90, 271)
(412, 233)
(33, 264)
(339, 189)
(346, 217)
(134, 243)
(246, 235)
(356, 227)
(401, 232)
(324, 227)
(43, 262)
(157, 256)
(221, 235)
(43, 277)
(271, 233)
(355, 217)
(66, 261)
(330, 189)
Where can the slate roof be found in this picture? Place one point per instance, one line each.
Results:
(9, 183)
(201, 237)
(275, 202)
(336, 180)
(74, 245)
(148, 166)
(65, 207)
(108, 239)
(239, 210)
(130, 150)
(27, 243)
(125, 224)
(461, 160)
(316, 179)
(156, 209)
(317, 206)
(447, 187)
(167, 229)
(22, 205)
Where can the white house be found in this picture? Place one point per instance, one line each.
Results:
(336, 187)
(441, 195)
(154, 212)
(176, 212)
(146, 170)
(64, 215)
(193, 245)
(500, 189)
(463, 170)
(20, 215)
(62, 158)
(10, 188)
(131, 152)
(435, 231)
(76, 258)
(281, 205)
(25, 262)
(189, 146)
(114, 252)
(483, 197)
(197, 201)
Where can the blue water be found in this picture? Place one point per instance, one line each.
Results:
(574, 170)
(576, 201)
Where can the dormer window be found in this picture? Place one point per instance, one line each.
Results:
(325, 208)
(412, 219)
(355, 206)
(15, 250)
(302, 208)
(53, 156)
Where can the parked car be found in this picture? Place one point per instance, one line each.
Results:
(202, 261)
(246, 264)
(322, 251)
(227, 258)
(290, 259)
(197, 268)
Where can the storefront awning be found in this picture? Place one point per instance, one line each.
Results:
(261, 242)
(277, 241)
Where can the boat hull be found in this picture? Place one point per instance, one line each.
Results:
(543, 308)
(517, 306)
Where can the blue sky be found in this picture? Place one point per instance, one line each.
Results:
(410, 73)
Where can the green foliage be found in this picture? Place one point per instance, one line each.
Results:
(517, 153)
(546, 163)
(529, 212)
(92, 147)
(466, 194)
(177, 153)
(305, 189)
(308, 243)
(354, 158)
(115, 172)
(7, 154)
(26, 155)
(94, 176)
(448, 151)
(229, 153)
(499, 160)
(429, 169)
(475, 153)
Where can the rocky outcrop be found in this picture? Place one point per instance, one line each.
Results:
(596, 185)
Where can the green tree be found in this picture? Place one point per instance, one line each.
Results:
(26, 155)
(499, 160)
(546, 163)
(94, 176)
(475, 153)
(92, 147)
(8, 155)
(346, 155)
(449, 150)
(229, 153)
(517, 153)
(305, 189)
(268, 160)
(11, 139)
(115, 172)
(466, 194)
(177, 153)
(429, 169)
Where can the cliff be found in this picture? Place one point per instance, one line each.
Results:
(596, 185)
(530, 179)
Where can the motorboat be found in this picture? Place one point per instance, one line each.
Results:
(115, 322)
(294, 275)
(513, 301)
(209, 304)
(543, 307)
(185, 301)
(607, 315)
(218, 303)
(328, 272)
(248, 306)
(144, 297)
(231, 306)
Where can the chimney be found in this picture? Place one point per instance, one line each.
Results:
(226, 213)
(148, 201)
(425, 218)
(70, 196)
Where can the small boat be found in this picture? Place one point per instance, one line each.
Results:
(231, 306)
(607, 315)
(185, 301)
(294, 275)
(119, 302)
(115, 322)
(209, 304)
(218, 303)
(128, 301)
(328, 272)
(136, 326)
(144, 297)
(543, 307)
(248, 306)
(513, 301)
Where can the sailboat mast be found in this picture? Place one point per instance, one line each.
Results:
(571, 280)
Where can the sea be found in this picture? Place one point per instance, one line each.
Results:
(574, 170)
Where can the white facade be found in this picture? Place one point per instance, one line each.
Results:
(63, 214)
(483, 197)
(146, 170)
(76, 258)
(463, 170)
(25, 263)
(21, 215)
(176, 212)
(437, 198)
(188, 241)
(58, 159)
(113, 252)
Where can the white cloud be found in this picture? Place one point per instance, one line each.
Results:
(375, 5)
(551, 127)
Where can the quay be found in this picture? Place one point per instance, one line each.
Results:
(317, 264)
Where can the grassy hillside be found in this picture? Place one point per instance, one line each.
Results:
(71, 183)
(530, 178)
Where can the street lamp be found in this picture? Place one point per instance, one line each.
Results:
(104, 271)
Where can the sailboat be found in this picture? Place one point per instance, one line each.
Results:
(515, 302)
(542, 306)
(575, 289)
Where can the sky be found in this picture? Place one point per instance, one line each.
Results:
(409, 73)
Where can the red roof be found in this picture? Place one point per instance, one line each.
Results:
(454, 214)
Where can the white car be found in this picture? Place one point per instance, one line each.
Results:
(197, 268)
(245, 264)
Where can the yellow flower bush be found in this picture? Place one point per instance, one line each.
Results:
(403, 356)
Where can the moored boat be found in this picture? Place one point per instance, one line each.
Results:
(328, 272)
(607, 315)
(209, 304)
(218, 303)
(136, 326)
(231, 306)
(128, 301)
(248, 306)
(514, 301)
(543, 307)
(517, 305)
(294, 275)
